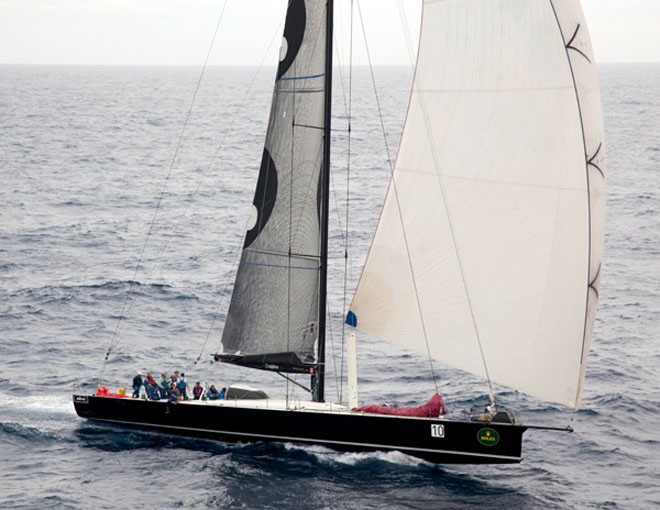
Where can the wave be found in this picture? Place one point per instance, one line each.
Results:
(45, 404)
(328, 456)
(376, 480)
(90, 293)
(631, 405)
(35, 418)
(16, 431)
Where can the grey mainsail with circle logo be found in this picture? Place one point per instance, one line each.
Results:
(274, 312)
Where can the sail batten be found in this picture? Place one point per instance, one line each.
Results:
(492, 227)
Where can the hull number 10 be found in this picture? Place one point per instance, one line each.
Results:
(437, 430)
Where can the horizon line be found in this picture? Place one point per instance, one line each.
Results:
(257, 65)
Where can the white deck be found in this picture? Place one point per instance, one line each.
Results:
(296, 405)
(269, 403)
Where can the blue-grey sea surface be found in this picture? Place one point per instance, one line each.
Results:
(110, 208)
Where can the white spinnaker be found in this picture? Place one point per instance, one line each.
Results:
(492, 224)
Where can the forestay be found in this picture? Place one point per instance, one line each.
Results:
(273, 315)
(492, 229)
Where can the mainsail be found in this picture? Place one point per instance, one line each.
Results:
(273, 319)
(487, 255)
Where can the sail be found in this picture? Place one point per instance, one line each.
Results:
(490, 241)
(273, 316)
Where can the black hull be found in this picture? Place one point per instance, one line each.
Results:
(435, 440)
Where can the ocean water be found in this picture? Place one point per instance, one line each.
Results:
(90, 186)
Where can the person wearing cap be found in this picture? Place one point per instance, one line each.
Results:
(137, 384)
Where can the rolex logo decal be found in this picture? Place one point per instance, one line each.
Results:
(488, 437)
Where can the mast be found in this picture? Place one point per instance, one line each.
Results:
(319, 377)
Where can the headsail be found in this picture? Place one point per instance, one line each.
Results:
(490, 239)
(273, 317)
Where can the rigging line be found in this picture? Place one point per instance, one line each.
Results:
(347, 130)
(237, 255)
(452, 230)
(340, 223)
(228, 274)
(459, 260)
(237, 251)
(115, 340)
(291, 188)
(291, 232)
(319, 157)
(334, 358)
(245, 97)
(217, 152)
(396, 196)
(334, 188)
(294, 227)
(406, 32)
(288, 281)
(308, 191)
(231, 272)
(348, 196)
(293, 381)
(220, 146)
(341, 75)
(337, 209)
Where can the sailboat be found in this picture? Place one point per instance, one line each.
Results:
(486, 257)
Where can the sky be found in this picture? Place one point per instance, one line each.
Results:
(179, 32)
